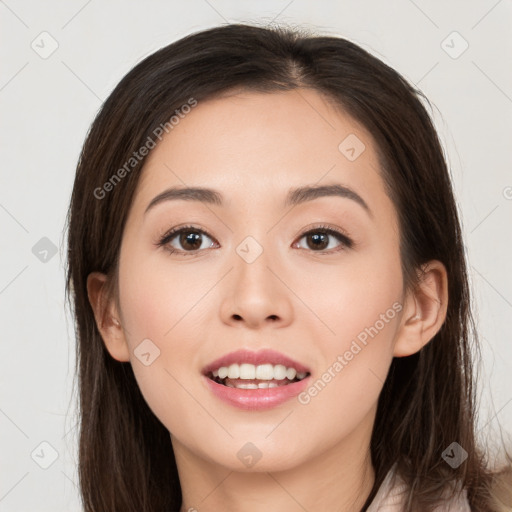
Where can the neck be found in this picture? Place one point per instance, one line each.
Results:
(338, 478)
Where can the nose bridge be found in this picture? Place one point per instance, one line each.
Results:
(256, 295)
(252, 262)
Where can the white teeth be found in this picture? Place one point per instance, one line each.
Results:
(247, 386)
(234, 371)
(247, 371)
(291, 373)
(261, 385)
(267, 371)
(279, 372)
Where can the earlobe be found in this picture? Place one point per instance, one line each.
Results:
(106, 316)
(425, 310)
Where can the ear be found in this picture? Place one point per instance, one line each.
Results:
(107, 317)
(424, 310)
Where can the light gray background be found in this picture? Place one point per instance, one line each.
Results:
(47, 105)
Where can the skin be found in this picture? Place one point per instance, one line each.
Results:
(253, 147)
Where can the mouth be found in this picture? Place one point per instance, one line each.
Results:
(255, 381)
(250, 376)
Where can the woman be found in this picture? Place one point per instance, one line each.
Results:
(270, 290)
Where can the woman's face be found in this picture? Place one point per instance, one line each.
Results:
(258, 271)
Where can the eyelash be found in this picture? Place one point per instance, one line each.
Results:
(346, 242)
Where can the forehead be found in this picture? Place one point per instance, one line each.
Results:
(262, 144)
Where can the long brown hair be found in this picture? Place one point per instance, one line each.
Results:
(126, 461)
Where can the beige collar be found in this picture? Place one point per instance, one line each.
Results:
(392, 494)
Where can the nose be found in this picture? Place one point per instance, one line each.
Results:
(256, 294)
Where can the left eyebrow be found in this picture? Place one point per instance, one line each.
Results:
(308, 193)
(294, 196)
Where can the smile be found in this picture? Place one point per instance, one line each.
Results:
(250, 376)
(255, 380)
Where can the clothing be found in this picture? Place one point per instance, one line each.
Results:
(392, 494)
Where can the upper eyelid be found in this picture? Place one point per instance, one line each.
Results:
(171, 233)
(174, 232)
(339, 233)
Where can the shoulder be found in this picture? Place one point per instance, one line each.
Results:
(392, 496)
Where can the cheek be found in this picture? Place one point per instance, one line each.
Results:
(157, 297)
(359, 305)
(155, 304)
(363, 308)
(351, 296)
(161, 309)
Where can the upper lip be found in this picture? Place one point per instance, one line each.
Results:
(266, 356)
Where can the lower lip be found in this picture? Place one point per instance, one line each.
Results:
(256, 399)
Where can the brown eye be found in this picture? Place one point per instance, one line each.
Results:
(190, 240)
(317, 241)
(185, 240)
(325, 239)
